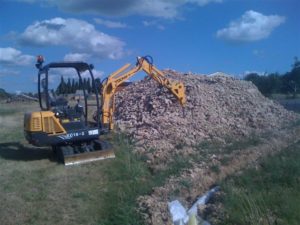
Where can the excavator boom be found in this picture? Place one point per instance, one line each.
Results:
(114, 80)
(175, 87)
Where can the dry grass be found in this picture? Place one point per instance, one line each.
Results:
(34, 189)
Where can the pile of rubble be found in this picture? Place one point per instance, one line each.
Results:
(217, 107)
(21, 98)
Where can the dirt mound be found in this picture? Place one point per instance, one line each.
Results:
(217, 107)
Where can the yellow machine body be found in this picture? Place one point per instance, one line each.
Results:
(43, 121)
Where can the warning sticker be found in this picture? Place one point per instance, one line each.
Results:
(93, 132)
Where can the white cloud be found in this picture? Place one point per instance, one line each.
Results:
(153, 8)
(11, 56)
(56, 73)
(252, 26)
(8, 72)
(153, 23)
(78, 35)
(260, 73)
(76, 57)
(259, 53)
(30, 1)
(110, 24)
(203, 2)
(242, 75)
(96, 73)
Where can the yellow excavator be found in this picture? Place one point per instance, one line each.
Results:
(73, 138)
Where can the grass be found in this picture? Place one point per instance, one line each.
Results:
(233, 145)
(268, 195)
(207, 148)
(7, 111)
(128, 178)
(35, 189)
(11, 120)
(215, 169)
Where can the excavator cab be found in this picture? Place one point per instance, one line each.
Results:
(63, 122)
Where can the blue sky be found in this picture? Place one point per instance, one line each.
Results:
(201, 36)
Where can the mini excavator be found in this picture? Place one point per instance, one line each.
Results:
(73, 138)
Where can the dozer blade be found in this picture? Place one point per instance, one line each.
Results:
(87, 157)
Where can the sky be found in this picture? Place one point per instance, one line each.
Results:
(200, 36)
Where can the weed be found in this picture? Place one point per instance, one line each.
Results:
(225, 160)
(233, 145)
(174, 193)
(185, 183)
(215, 169)
(270, 195)
(294, 124)
(180, 145)
(7, 111)
(211, 145)
(127, 178)
(151, 150)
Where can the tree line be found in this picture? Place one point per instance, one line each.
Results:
(3, 93)
(72, 85)
(275, 83)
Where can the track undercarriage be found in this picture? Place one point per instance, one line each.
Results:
(79, 153)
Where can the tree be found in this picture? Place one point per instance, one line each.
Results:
(89, 87)
(257, 80)
(288, 83)
(62, 87)
(69, 87)
(3, 93)
(274, 83)
(291, 80)
(98, 85)
(73, 88)
(296, 64)
(84, 84)
(77, 85)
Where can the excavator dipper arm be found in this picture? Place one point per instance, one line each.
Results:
(114, 80)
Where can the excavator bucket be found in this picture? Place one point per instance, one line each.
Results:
(87, 157)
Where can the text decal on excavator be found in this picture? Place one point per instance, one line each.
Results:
(71, 135)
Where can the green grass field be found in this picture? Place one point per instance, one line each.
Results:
(35, 189)
(267, 195)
